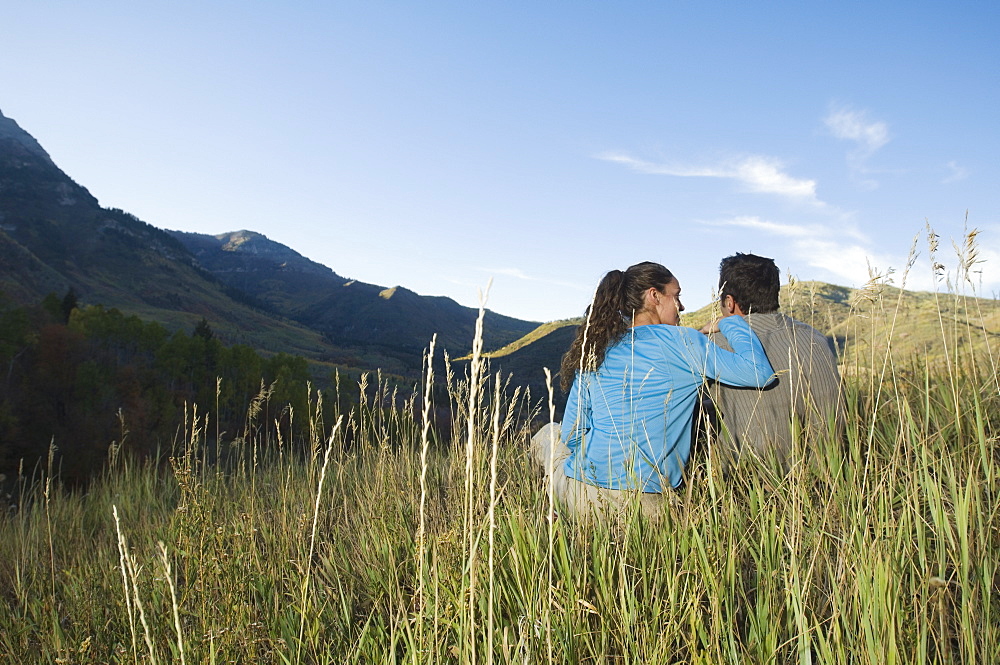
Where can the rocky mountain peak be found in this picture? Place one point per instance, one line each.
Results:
(9, 129)
(251, 242)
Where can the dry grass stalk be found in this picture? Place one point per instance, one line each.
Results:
(306, 573)
(425, 418)
(173, 599)
(475, 378)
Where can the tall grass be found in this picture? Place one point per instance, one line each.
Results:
(379, 541)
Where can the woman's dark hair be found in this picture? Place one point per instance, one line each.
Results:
(618, 298)
(753, 282)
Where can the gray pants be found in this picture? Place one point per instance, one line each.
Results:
(582, 500)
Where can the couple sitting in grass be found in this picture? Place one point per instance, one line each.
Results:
(636, 378)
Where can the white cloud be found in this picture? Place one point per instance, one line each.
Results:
(851, 262)
(867, 135)
(840, 253)
(753, 222)
(851, 125)
(763, 174)
(955, 174)
(517, 273)
(756, 173)
(509, 272)
(988, 272)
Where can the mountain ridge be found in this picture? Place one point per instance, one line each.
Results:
(347, 312)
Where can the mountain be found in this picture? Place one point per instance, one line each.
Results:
(393, 323)
(54, 235)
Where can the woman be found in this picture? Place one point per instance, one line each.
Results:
(635, 375)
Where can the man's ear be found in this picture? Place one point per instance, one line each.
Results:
(730, 306)
(727, 304)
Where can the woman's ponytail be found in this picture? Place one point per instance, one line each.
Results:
(610, 298)
(619, 297)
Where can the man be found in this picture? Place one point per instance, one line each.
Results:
(804, 402)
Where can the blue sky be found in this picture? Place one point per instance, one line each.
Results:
(540, 144)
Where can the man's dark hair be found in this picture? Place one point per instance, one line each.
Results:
(753, 282)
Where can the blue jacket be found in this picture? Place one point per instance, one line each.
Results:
(628, 425)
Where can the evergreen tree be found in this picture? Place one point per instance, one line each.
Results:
(69, 303)
(203, 330)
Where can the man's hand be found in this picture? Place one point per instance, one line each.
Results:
(710, 327)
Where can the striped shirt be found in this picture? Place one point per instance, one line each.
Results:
(806, 395)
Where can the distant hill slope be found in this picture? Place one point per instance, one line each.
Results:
(528, 357)
(884, 318)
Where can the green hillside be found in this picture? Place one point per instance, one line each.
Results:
(527, 357)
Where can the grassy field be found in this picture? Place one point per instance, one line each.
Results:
(379, 540)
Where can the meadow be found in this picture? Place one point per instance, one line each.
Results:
(381, 538)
